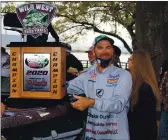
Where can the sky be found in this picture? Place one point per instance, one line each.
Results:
(83, 43)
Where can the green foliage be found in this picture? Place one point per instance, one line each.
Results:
(90, 15)
(8, 8)
(121, 12)
(75, 18)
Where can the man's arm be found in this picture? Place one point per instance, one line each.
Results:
(120, 98)
(76, 85)
(115, 104)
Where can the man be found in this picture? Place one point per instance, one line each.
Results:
(73, 65)
(91, 55)
(107, 90)
(92, 59)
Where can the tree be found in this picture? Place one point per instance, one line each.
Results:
(152, 30)
(78, 17)
(81, 16)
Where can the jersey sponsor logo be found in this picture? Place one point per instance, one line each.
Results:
(99, 92)
(111, 85)
(93, 75)
(113, 76)
(112, 81)
(90, 80)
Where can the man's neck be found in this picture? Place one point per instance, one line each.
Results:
(100, 69)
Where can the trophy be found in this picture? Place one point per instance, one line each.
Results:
(37, 67)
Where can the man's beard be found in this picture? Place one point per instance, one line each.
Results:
(104, 62)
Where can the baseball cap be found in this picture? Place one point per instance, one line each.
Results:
(102, 37)
(90, 49)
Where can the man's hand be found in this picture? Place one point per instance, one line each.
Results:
(83, 103)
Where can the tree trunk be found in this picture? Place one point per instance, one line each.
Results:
(152, 30)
